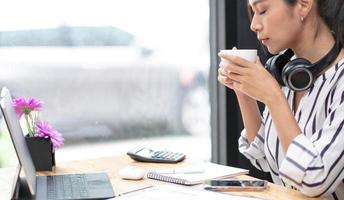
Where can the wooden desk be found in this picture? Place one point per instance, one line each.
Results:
(112, 165)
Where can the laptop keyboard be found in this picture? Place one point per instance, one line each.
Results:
(73, 186)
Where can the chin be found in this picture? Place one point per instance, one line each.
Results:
(274, 50)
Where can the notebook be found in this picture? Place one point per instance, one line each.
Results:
(195, 174)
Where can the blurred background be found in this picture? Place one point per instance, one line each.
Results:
(113, 74)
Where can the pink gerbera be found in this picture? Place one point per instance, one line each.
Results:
(22, 106)
(43, 129)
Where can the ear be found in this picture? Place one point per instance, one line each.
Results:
(305, 6)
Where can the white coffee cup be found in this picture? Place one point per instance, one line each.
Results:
(247, 54)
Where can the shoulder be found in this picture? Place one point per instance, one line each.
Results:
(339, 73)
(333, 75)
(334, 82)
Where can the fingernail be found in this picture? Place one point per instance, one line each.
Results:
(220, 53)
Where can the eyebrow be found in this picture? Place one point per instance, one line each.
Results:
(255, 2)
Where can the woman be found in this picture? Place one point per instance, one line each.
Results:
(300, 137)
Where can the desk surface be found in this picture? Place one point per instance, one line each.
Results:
(111, 165)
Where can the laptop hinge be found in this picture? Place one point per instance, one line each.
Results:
(22, 190)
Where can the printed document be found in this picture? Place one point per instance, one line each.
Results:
(179, 193)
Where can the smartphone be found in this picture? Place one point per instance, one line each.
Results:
(235, 185)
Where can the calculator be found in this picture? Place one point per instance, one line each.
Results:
(144, 154)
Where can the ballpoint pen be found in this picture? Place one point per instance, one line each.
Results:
(136, 190)
(180, 171)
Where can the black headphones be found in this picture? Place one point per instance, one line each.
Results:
(299, 74)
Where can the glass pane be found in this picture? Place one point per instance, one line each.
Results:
(113, 74)
(9, 164)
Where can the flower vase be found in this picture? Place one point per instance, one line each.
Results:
(41, 150)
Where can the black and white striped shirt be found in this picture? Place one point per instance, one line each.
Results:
(314, 161)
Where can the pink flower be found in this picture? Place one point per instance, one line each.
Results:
(22, 106)
(43, 129)
(35, 127)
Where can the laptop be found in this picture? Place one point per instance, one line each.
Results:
(69, 186)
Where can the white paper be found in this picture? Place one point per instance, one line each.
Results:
(172, 192)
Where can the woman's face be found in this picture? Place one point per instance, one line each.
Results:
(276, 23)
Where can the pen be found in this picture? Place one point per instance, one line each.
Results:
(180, 171)
(136, 190)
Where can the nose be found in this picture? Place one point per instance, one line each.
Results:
(255, 25)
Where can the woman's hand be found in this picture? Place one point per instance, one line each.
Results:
(249, 78)
(223, 77)
(226, 81)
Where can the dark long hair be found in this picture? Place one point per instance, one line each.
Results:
(331, 11)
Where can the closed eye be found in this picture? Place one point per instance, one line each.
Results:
(263, 12)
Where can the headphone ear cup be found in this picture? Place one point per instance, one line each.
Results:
(296, 74)
(275, 65)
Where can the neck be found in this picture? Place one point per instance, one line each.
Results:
(315, 41)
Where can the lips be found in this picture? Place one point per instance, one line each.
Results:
(263, 40)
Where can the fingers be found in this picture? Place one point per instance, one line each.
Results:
(229, 79)
(229, 67)
(227, 83)
(222, 71)
(258, 61)
(235, 77)
(226, 77)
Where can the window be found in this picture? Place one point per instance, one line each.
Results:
(113, 74)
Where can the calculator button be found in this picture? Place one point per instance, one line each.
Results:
(159, 153)
(164, 155)
(178, 156)
(169, 158)
(169, 154)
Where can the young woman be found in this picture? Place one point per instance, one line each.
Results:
(300, 137)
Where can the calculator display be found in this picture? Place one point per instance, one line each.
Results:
(145, 152)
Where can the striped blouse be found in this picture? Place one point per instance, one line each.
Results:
(314, 161)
